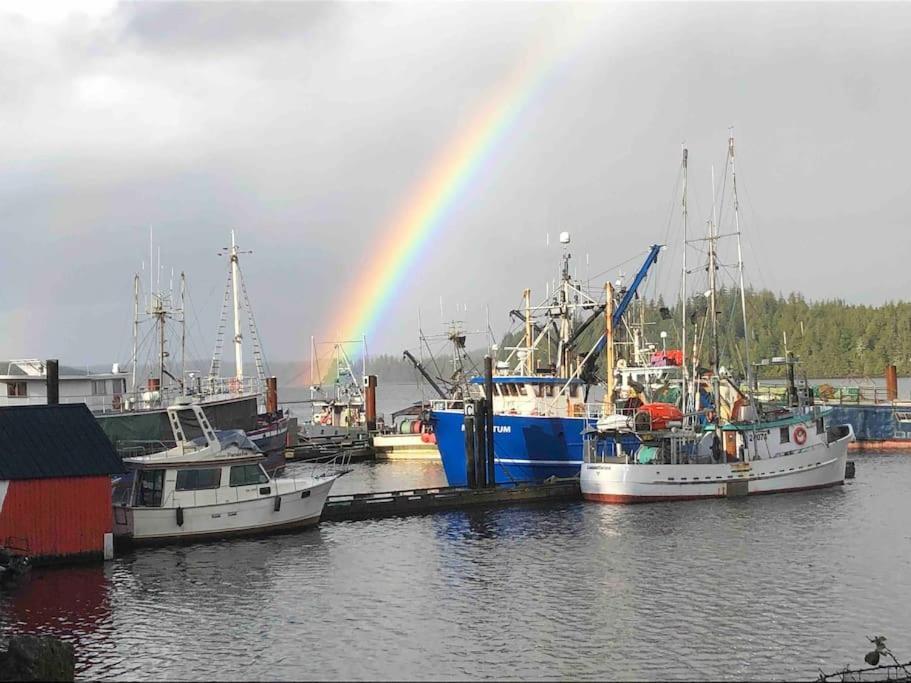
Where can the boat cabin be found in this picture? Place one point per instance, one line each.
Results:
(217, 467)
(528, 395)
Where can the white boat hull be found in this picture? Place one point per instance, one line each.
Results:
(404, 447)
(818, 466)
(299, 507)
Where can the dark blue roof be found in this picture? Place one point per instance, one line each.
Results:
(42, 442)
(522, 379)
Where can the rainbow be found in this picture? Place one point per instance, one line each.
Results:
(449, 178)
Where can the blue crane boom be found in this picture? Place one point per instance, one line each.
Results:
(627, 299)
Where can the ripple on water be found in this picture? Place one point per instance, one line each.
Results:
(774, 586)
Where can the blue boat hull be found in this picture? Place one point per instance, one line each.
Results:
(526, 447)
(875, 423)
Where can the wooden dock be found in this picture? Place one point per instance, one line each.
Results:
(445, 498)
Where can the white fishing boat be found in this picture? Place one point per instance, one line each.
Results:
(212, 486)
(725, 442)
(794, 450)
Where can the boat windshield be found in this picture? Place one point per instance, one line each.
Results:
(230, 437)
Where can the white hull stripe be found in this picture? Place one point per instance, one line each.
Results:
(516, 461)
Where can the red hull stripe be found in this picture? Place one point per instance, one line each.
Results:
(626, 499)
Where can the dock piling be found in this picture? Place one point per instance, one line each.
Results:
(469, 444)
(52, 367)
(481, 443)
(370, 383)
(271, 394)
(891, 383)
(488, 421)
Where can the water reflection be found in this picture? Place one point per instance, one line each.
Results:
(725, 589)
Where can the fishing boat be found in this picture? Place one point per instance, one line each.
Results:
(725, 442)
(540, 408)
(136, 420)
(338, 410)
(211, 486)
(408, 437)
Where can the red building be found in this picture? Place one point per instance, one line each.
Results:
(55, 482)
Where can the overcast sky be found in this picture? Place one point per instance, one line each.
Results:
(306, 127)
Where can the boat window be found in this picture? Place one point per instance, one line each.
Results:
(537, 388)
(248, 475)
(16, 389)
(785, 435)
(119, 385)
(549, 390)
(151, 485)
(820, 426)
(98, 387)
(197, 479)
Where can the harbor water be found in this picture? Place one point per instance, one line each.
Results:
(767, 587)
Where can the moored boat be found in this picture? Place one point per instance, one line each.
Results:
(725, 442)
(791, 451)
(211, 486)
(541, 411)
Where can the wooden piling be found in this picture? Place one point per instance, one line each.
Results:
(52, 368)
(469, 444)
(370, 401)
(271, 394)
(480, 425)
(488, 422)
(891, 383)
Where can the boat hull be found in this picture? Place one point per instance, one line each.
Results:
(526, 447)
(404, 447)
(879, 425)
(300, 507)
(818, 466)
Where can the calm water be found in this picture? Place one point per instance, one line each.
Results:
(770, 587)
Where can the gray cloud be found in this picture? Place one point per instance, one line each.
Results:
(306, 126)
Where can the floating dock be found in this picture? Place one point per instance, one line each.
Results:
(406, 502)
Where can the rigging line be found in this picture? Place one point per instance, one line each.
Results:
(619, 265)
(749, 234)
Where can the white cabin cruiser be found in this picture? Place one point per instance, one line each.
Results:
(212, 486)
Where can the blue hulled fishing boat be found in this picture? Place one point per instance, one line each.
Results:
(541, 410)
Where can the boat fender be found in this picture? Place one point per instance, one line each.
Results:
(278, 503)
(800, 435)
(179, 516)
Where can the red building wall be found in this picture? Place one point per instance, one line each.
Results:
(51, 518)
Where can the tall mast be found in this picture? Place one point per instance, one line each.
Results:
(238, 338)
(529, 351)
(743, 298)
(312, 363)
(716, 380)
(160, 314)
(684, 402)
(609, 344)
(135, 327)
(183, 334)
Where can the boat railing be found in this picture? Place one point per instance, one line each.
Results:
(103, 404)
(828, 394)
(136, 447)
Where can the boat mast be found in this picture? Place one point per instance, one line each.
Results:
(135, 327)
(609, 344)
(684, 402)
(743, 299)
(529, 351)
(183, 334)
(713, 238)
(238, 338)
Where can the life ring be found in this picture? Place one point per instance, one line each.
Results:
(234, 385)
(116, 402)
(800, 435)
